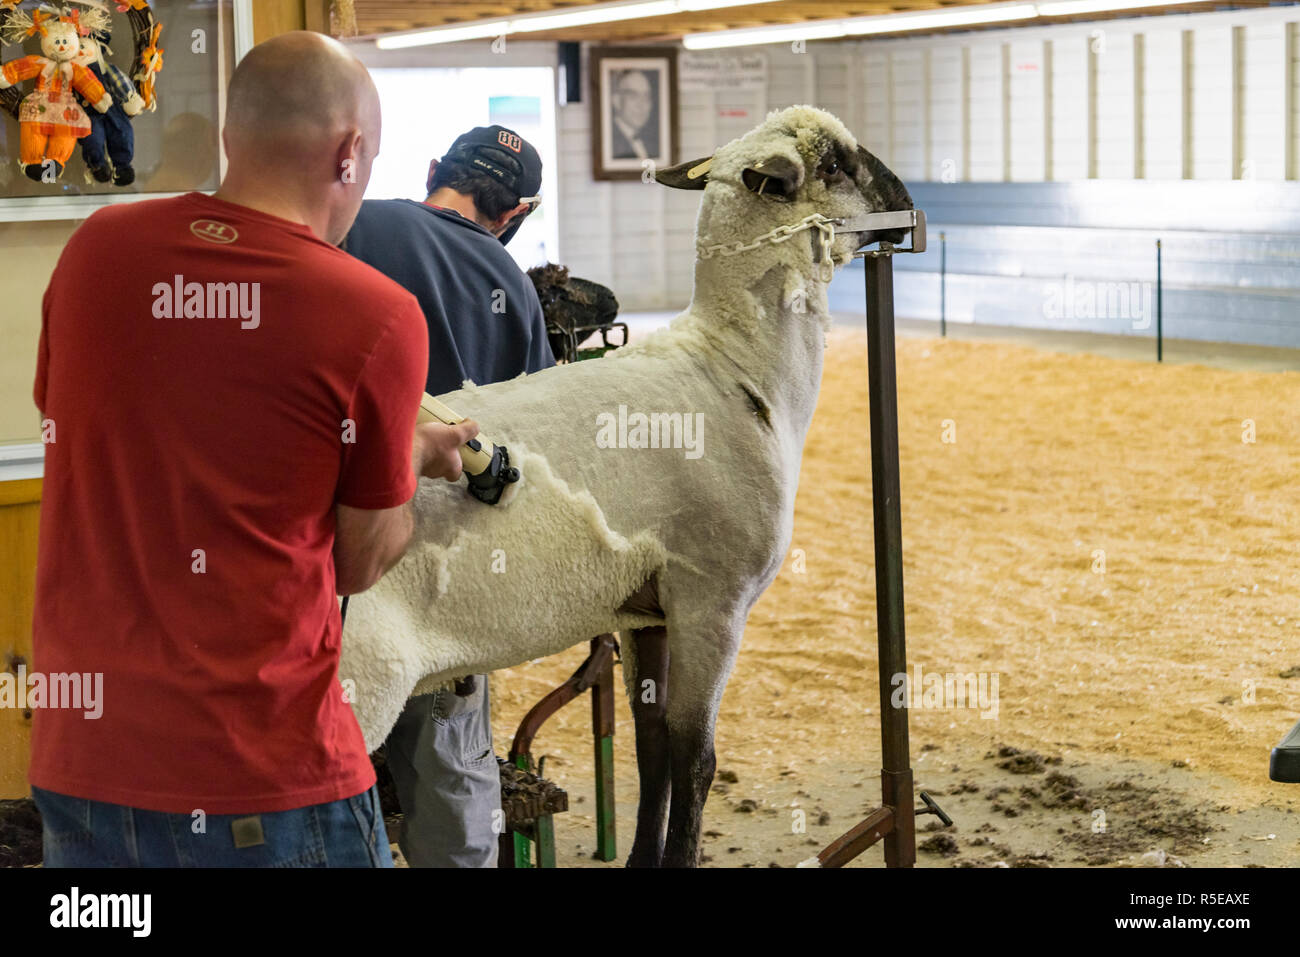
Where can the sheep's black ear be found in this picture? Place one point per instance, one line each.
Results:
(776, 178)
(692, 175)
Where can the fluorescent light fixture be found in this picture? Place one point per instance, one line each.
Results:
(472, 31)
(860, 26)
(552, 20)
(600, 13)
(1068, 8)
(823, 30)
(982, 13)
(690, 6)
(899, 22)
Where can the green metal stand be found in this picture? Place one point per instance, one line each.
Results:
(530, 805)
(596, 674)
(602, 724)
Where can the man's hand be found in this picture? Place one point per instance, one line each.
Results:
(368, 542)
(437, 448)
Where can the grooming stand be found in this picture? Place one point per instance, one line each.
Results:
(596, 673)
(895, 820)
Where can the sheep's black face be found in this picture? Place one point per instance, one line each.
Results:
(883, 191)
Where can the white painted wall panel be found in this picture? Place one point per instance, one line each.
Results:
(1116, 106)
(988, 87)
(876, 130)
(1262, 100)
(1212, 103)
(791, 77)
(1165, 107)
(1293, 100)
(834, 80)
(946, 121)
(1071, 123)
(1028, 110)
(909, 108)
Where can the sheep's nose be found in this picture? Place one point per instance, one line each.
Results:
(885, 194)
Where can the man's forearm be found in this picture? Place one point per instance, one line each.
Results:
(368, 544)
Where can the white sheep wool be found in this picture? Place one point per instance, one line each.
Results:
(487, 587)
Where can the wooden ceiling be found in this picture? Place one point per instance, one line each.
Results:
(375, 17)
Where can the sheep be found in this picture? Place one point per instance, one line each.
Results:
(574, 308)
(669, 534)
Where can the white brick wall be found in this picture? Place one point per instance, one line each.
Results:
(1262, 99)
(1028, 109)
(1117, 151)
(1164, 113)
(988, 113)
(947, 116)
(1072, 117)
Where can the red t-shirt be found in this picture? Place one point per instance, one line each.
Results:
(187, 521)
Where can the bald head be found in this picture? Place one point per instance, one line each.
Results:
(298, 89)
(302, 114)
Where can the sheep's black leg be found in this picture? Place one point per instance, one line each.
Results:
(693, 764)
(702, 652)
(649, 695)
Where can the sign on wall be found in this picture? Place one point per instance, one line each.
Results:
(721, 71)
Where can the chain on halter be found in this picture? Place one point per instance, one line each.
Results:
(826, 235)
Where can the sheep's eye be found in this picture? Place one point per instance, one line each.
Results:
(830, 169)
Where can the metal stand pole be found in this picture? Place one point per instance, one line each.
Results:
(602, 727)
(894, 822)
(943, 284)
(1160, 310)
(896, 771)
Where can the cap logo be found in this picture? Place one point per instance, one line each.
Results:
(484, 164)
(510, 141)
(213, 231)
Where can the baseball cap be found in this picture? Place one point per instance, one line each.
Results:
(501, 153)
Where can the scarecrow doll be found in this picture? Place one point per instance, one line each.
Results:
(50, 121)
(110, 147)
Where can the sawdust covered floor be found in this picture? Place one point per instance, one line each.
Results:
(1094, 531)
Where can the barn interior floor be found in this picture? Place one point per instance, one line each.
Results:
(1114, 539)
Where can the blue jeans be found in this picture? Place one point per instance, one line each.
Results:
(82, 833)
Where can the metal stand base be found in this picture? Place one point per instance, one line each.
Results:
(597, 674)
(1284, 762)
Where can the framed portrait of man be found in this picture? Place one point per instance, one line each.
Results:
(634, 110)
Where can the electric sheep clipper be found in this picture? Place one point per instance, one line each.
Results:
(487, 465)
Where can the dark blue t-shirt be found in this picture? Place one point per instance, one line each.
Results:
(484, 320)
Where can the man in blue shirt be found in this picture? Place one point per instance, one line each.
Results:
(485, 324)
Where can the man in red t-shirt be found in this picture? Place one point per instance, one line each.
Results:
(230, 406)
